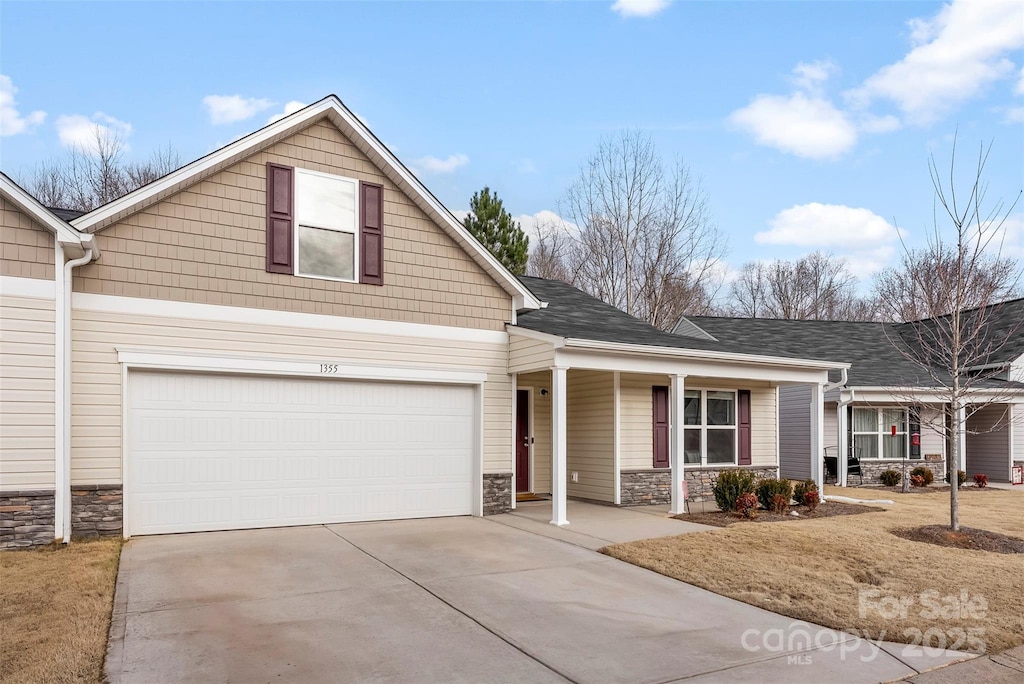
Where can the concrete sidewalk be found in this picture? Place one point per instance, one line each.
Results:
(1002, 668)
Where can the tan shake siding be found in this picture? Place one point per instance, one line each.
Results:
(206, 244)
(589, 435)
(525, 353)
(96, 380)
(637, 429)
(541, 428)
(26, 393)
(26, 248)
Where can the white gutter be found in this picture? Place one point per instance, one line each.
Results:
(839, 383)
(62, 373)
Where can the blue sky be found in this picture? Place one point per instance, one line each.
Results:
(810, 123)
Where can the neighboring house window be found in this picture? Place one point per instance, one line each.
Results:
(872, 433)
(709, 427)
(327, 226)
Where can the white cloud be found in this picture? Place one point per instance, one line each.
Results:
(955, 55)
(828, 226)
(83, 133)
(1009, 238)
(878, 124)
(225, 109)
(11, 120)
(435, 165)
(1020, 84)
(290, 107)
(810, 76)
(801, 124)
(639, 8)
(1014, 115)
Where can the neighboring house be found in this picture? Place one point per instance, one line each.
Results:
(883, 390)
(292, 330)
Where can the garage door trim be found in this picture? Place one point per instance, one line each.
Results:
(200, 362)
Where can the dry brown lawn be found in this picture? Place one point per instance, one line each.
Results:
(815, 570)
(55, 606)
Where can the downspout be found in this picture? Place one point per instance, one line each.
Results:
(60, 484)
(62, 495)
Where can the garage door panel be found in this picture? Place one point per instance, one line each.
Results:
(226, 452)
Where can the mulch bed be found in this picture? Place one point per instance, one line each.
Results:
(967, 538)
(930, 489)
(824, 510)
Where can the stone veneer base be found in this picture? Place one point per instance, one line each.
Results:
(654, 486)
(497, 493)
(872, 469)
(26, 518)
(96, 511)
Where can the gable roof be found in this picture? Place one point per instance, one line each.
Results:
(332, 108)
(1004, 326)
(65, 234)
(573, 314)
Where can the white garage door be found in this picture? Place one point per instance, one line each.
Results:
(219, 452)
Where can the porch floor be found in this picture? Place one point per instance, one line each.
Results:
(593, 525)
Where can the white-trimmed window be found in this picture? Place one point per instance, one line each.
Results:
(873, 433)
(709, 427)
(326, 226)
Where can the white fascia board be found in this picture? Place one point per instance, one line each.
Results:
(553, 340)
(701, 354)
(191, 360)
(35, 288)
(930, 396)
(218, 313)
(64, 233)
(339, 114)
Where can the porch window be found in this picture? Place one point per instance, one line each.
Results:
(872, 433)
(709, 427)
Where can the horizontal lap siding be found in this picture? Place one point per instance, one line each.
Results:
(96, 380)
(933, 441)
(541, 428)
(27, 438)
(589, 435)
(1018, 432)
(795, 431)
(988, 451)
(206, 244)
(525, 353)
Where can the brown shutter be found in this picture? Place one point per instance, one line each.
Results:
(659, 396)
(280, 218)
(371, 233)
(743, 425)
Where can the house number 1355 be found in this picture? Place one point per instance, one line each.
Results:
(328, 368)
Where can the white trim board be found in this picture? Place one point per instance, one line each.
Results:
(219, 313)
(31, 206)
(36, 288)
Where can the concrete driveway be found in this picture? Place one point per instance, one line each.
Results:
(444, 600)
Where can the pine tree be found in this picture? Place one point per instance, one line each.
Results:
(497, 231)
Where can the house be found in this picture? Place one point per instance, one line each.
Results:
(885, 410)
(292, 330)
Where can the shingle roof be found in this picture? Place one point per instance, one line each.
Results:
(66, 214)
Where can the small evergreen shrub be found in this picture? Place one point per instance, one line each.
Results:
(729, 485)
(769, 488)
(926, 475)
(981, 480)
(802, 489)
(812, 499)
(890, 478)
(961, 477)
(746, 505)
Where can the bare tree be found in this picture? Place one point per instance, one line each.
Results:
(959, 283)
(95, 173)
(814, 287)
(548, 256)
(642, 237)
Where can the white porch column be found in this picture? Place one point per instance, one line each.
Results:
(817, 433)
(559, 467)
(843, 436)
(961, 456)
(676, 453)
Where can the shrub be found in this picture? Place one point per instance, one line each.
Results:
(961, 477)
(802, 489)
(780, 503)
(746, 505)
(769, 488)
(917, 480)
(926, 475)
(730, 484)
(812, 499)
(890, 478)
(981, 480)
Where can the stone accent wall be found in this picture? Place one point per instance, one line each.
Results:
(647, 487)
(96, 511)
(872, 469)
(26, 518)
(497, 493)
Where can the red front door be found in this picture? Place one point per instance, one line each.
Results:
(522, 441)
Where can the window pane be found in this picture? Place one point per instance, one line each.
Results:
(721, 408)
(327, 253)
(865, 420)
(894, 447)
(324, 201)
(721, 446)
(691, 407)
(865, 446)
(892, 417)
(691, 446)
